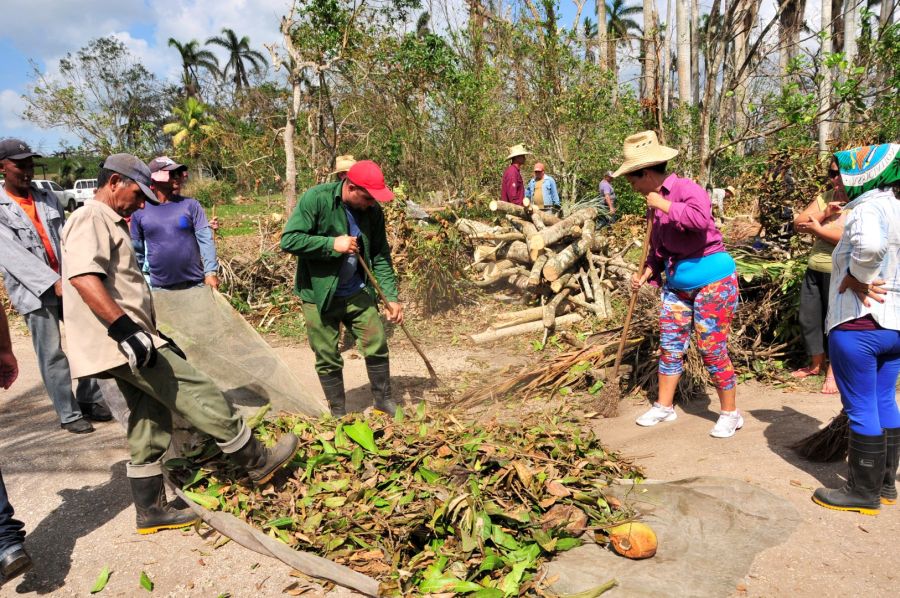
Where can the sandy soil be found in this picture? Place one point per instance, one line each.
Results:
(72, 494)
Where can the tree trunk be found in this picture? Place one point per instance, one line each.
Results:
(682, 18)
(648, 68)
(825, 80)
(602, 48)
(887, 15)
(850, 29)
(290, 159)
(715, 39)
(667, 58)
(695, 52)
(508, 208)
(746, 21)
(565, 259)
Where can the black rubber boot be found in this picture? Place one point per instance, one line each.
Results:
(891, 461)
(333, 387)
(865, 478)
(379, 370)
(153, 512)
(14, 564)
(260, 462)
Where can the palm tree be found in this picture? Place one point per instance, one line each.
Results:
(590, 39)
(239, 52)
(619, 27)
(191, 128)
(193, 59)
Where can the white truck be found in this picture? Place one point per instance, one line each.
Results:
(83, 189)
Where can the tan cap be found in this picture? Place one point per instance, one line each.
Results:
(731, 190)
(641, 150)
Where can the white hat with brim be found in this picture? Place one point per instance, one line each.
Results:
(343, 163)
(642, 150)
(517, 150)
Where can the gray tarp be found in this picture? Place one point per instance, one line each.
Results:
(219, 342)
(709, 530)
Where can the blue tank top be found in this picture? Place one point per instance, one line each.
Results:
(693, 273)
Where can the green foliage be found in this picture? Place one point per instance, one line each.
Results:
(211, 192)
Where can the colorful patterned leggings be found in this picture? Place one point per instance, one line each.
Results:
(709, 309)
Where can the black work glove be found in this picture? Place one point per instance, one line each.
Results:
(135, 343)
(175, 348)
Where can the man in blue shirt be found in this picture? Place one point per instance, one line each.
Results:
(174, 238)
(542, 192)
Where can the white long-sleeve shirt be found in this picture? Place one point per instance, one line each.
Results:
(869, 249)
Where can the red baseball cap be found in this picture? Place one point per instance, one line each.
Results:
(368, 175)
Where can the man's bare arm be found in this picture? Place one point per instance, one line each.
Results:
(94, 294)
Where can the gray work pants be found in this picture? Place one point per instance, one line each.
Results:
(54, 366)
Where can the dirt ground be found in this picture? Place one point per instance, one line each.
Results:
(73, 496)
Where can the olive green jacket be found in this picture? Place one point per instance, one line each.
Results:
(318, 218)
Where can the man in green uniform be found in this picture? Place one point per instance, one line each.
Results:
(333, 227)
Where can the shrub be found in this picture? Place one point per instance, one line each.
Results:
(210, 192)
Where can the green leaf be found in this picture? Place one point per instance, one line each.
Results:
(436, 585)
(146, 582)
(259, 416)
(510, 584)
(564, 544)
(356, 457)
(280, 522)
(333, 502)
(503, 540)
(490, 562)
(101, 581)
(207, 502)
(429, 476)
(399, 416)
(488, 593)
(362, 434)
(420, 410)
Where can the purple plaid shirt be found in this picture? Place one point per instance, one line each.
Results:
(687, 231)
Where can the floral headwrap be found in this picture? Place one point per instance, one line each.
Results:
(869, 167)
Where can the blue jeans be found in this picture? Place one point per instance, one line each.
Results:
(12, 531)
(866, 364)
(54, 366)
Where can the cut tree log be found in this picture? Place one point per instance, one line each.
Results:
(536, 326)
(565, 259)
(534, 278)
(586, 284)
(508, 236)
(560, 230)
(566, 281)
(550, 308)
(524, 226)
(546, 217)
(508, 208)
(524, 316)
(516, 252)
(473, 228)
(580, 301)
(516, 315)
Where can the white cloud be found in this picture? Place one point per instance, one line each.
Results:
(11, 107)
(65, 25)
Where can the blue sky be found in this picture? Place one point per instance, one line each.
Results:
(145, 27)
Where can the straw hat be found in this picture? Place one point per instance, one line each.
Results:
(517, 150)
(343, 163)
(642, 150)
(731, 190)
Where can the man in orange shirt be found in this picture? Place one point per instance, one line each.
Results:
(31, 221)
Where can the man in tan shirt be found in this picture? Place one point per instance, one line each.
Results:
(109, 315)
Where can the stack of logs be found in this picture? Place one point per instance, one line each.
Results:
(566, 263)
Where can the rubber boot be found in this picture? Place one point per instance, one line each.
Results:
(260, 462)
(333, 387)
(865, 479)
(379, 370)
(891, 461)
(153, 512)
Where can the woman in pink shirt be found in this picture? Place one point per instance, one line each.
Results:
(699, 290)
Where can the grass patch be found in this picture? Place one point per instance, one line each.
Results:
(243, 218)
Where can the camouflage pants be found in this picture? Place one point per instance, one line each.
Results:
(359, 314)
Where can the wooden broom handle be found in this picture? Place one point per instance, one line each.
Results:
(634, 295)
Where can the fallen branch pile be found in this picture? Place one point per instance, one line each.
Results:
(566, 263)
(427, 505)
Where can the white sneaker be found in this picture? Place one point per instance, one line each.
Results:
(729, 422)
(657, 414)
